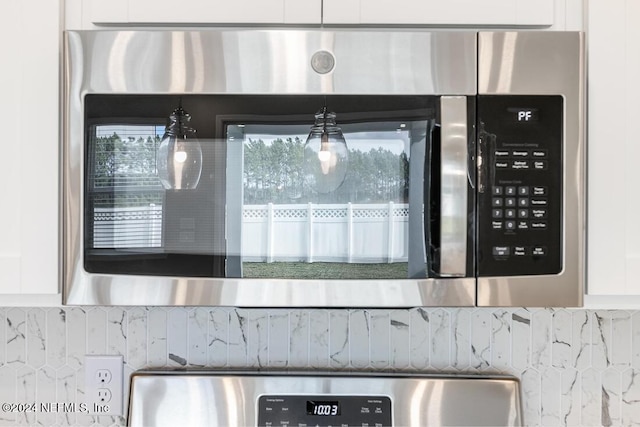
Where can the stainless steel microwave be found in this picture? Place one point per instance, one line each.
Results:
(324, 168)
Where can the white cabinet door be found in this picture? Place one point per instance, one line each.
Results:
(614, 148)
(536, 13)
(204, 11)
(440, 12)
(29, 84)
(105, 11)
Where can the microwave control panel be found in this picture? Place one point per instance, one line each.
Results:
(520, 185)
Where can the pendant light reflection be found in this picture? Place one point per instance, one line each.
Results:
(326, 155)
(179, 157)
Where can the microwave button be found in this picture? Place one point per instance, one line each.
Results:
(523, 203)
(502, 165)
(540, 165)
(539, 225)
(523, 225)
(523, 213)
(501, 251)
(510, 202)
(539, 154)
(520, 251)
(539, 191)
(502, 153)
(538, 202)
(497, 190)
(496, 225)
(539, 213)
(520, 164)
(510, 191)
(539, 251)
(523, 191)
(520, 153)
(510, 213)
(496, 213)
(497, 202)
(510, 225)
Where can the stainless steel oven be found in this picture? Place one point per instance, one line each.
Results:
(342, 168)
(266, 399)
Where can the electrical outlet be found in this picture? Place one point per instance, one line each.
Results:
(104, 395)
(103, 384)
(104, 376)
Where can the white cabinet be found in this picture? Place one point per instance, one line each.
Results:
(204, 11)
(29, 84)
(513, 13)
(440, 12)
(614, 148)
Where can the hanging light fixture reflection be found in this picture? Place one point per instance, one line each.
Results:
(179, 157)
(325, 154)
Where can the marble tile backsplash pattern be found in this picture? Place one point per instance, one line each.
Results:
(577, 367)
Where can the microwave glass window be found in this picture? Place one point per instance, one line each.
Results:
(291, 230)
(298, 187)
(126, 195)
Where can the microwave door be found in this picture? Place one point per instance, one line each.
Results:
(256, 214)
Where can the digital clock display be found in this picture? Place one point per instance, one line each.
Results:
(323, 408)
(524, 115)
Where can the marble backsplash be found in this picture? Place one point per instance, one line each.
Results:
(577, 367)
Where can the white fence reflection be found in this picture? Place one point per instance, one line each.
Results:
(136, 227)
(357, 233)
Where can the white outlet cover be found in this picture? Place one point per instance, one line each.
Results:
(103, 378)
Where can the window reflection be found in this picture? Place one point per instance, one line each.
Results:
(254, 213)
(357, 231)
(126, 194)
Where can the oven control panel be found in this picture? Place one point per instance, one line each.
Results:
(519, 185)
(324, 410)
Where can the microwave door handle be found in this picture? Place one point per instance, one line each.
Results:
(453, 186)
